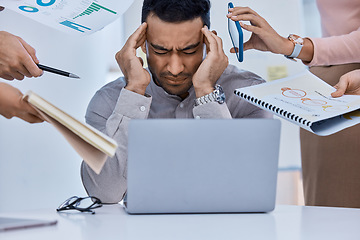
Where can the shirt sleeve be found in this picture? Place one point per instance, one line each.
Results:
(241, 109)
(111, 184)
(336, 50)
(212, 110)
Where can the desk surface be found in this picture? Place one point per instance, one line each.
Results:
(112, 222)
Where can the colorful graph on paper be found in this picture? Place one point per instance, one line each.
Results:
(72, 16)
(94, 7)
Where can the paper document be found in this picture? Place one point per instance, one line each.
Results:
(79, 17)
(305, 100)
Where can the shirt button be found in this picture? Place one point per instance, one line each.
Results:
(181, 105)
(142, 108)
(197, 117)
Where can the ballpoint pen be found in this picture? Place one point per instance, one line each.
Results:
(57, 71)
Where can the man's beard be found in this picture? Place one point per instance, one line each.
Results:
(168, 74)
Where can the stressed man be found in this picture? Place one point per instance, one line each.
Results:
(188, 77)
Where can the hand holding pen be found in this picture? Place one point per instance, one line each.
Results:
(18, 59)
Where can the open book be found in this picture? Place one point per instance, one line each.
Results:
(305, 100)
(92, 145)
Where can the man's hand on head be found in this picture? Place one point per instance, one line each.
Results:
(136, 76)
(213, 65)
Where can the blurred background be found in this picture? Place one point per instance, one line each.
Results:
(39, 169)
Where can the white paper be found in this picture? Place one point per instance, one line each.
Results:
(78, 17)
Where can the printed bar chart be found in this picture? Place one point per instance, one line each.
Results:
(72, 16)
(94, 7)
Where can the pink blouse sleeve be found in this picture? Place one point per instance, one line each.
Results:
(336, 49)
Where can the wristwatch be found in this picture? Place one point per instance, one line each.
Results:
(298, 44)
(217, 95)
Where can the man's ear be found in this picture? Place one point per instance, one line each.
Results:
(144, 48)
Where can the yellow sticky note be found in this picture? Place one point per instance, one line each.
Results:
(277, 72)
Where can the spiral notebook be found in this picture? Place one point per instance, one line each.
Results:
(305, 100)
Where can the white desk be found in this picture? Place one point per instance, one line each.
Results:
(112, 222)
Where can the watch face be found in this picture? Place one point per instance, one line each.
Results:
(220, 95)
(221, 98)
(296, 39)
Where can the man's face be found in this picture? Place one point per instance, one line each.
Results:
(175, 51)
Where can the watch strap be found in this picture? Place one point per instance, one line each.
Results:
(298, 44)
(296, 51)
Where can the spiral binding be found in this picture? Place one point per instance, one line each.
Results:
(275, 109)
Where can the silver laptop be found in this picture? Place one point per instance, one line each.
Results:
(202, 166)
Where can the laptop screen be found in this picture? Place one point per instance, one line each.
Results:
(208, 165)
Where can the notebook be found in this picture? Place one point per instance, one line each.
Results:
(202, 166)
(305, 100)
(7, 224)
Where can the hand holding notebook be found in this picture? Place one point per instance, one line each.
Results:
(305, 100)
(92, 145)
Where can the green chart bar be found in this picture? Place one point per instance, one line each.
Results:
(94, 7)
(104, 8)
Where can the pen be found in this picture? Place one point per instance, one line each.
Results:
(57, 71)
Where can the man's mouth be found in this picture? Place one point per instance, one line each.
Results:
(175, 81)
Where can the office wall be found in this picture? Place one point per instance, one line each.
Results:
(38, 168)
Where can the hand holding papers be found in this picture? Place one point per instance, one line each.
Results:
(92, 145)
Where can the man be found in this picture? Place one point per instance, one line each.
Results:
(17, 60)
(179, 84)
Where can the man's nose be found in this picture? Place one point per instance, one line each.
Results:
(175, 65)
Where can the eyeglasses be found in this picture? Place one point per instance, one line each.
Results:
(82, 204)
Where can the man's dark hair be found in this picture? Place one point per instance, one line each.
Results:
(177, 10)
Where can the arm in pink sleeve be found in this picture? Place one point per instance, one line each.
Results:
(336, 49)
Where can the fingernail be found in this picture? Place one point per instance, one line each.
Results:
(229, 14)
